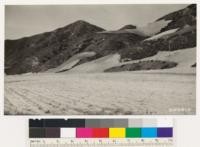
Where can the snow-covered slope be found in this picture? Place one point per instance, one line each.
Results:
(133, 31)
(154, 27)
(184, 57)
(162, 34)
(98, 65)
(148, 30)
(72, 61)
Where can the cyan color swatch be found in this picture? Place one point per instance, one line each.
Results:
(149, 132)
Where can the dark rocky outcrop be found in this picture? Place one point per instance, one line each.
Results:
(194, 65)
(180, 18)
(50, 49)
(143, 65)
(53, 48)
(128, 27)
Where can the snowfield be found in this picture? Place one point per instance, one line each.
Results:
(100, 93)
(85, 89)
(184, 57)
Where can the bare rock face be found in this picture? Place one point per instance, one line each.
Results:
(53, 48)
(50, 48)
(179, 19)
(185, 37)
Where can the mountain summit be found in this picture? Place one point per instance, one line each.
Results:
(81, 27)
(49, 49)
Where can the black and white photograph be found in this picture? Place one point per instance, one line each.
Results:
(111, 59)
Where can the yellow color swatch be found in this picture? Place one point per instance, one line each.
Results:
(117, 132)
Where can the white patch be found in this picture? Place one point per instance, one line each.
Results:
(98, 65)
(72, 61)
(162, 34)
(153, 28)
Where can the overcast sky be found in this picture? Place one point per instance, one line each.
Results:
(21, 21)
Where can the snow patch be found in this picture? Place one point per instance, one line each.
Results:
(155, 27)
(98, 65)
(131, 31)
(72, 61)
(162, 34)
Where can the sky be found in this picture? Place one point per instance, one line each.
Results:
(26, 20)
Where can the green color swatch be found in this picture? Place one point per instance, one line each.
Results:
(133, 132)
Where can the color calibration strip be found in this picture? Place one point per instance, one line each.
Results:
(101, 128)
(105, 142)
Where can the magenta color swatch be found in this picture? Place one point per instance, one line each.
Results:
(84, 133)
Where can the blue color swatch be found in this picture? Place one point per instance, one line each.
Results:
(149, 132)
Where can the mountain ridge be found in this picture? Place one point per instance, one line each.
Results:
(44, 51)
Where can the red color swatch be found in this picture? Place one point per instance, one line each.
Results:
(100, 132)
